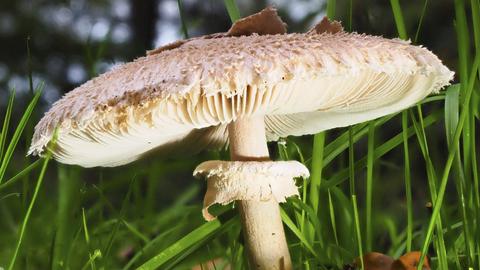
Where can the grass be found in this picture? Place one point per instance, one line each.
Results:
(113, 218)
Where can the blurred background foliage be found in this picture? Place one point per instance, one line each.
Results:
(120, 217)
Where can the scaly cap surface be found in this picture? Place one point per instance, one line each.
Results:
(182, 96)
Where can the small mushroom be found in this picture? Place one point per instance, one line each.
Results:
(245, 87)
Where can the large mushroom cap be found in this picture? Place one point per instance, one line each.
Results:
(184, 95)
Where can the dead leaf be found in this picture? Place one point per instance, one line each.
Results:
(265, 22)
(326, 26)
(374, 261)
(410, 261)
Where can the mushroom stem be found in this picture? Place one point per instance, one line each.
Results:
(262, 225)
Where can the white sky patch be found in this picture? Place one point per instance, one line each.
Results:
(76, 73)
(51, 93)
(100, 30)
(120, 9)
(62, 16)
(299, 9)
(82, 27)
(19, 83)
(121, 33)
(168, 10)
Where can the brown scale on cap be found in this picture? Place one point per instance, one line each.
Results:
(266, 22)
(326, 26)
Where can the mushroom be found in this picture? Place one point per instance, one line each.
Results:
(250, 85)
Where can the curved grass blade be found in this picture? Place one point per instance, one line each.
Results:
(6, 122)
(451, 155)
(18, 131)
(21, 174)
(357, 230)
(331, 5)
(291, 225)
(397, 14)
(408, 182)
(32, 202)
(369, 195)
(185, 243)
(316, 176)
(182, 19)
(381, 150)
(340, 144)
(232, 10)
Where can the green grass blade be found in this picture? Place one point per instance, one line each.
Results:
(358, 231)
(350, 15)
(397, 14)
(475, 8)
(312, 217)
(29, 65)
(232, 10)
(451, 121)
(331, 5)
(341, 143)
(332, 217)
(97, 253)
(18, 131)
(420, 21)
(369, 195)
(135, 231)
(316, 169)
(420, 131)
(451, 111)
(475, 107)
(6, 122)
(182, 19)
(185, 243)
(30, 206)
(461, 26)
(19, 176)
(419, 127)
(291, 225)
(66, 222)
(451, 155)
(120, 217)
(408, 182)
(351, 161)
(380, 150)
(148, 247)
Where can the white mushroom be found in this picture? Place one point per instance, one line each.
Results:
(249, 85)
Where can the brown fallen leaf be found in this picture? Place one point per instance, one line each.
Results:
(374, 261)
(379, 261)
(410, 261)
